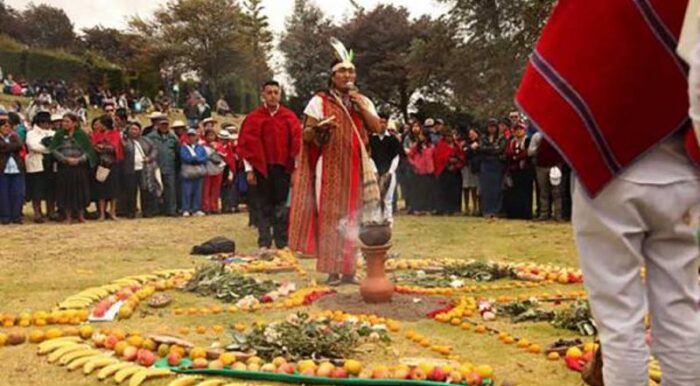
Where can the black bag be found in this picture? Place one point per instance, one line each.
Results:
(214, 246)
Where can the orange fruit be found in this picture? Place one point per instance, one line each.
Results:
(201, 330)
(198, 352)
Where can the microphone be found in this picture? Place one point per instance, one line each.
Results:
(352, 87)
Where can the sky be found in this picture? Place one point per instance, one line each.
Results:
(115, 13)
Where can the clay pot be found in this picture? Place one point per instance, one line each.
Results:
(375, 234)
(376, 287)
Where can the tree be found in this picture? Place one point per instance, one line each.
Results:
(492, 41)
(10, 22)
(306, 50)
(201, 35)
(258, 38)
(382, 39)
(110, 43)
(47, 27)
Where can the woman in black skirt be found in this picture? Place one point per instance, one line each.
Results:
(109, 148)
(518, 195)
(75, 155)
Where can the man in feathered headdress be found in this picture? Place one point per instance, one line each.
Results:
(334, 180)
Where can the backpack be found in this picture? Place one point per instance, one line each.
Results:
(214, 246)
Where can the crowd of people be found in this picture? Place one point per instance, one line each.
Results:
(62, 167)
(193, 168)
(506, 170)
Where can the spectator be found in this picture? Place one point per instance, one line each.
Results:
(40, 178)
(518, 196)
(154, 117)
(167, 146)
(229, 189)
(108, 146)
(215, 172)
(448, 162)
(470, 173)
(420, 155)
(12, 175)
(546, 158)
(222, 107)
(194, 159)
(140, 156)
(386, 153)
(491, 149)
(74, 153)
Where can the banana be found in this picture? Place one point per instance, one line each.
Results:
(189, 380)
(70, 357)
(126, 372)
(54, 344)
(144, 374)
(97, 363)
(212, 382)
(111, 369)
(56, 355)
(655, 375)
(78, 363)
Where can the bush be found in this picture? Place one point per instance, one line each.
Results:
(47, 64)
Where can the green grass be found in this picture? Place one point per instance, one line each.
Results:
(42, 264)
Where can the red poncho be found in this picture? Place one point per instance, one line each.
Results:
(443, 153)
(113, 138)
(267, 139)
(605, 84)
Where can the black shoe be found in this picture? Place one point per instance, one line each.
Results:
(17, 221)
(350, 280)
(333, 280)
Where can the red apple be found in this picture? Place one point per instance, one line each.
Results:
(174, 359)
(438, 374)
(309, 372)
(418, 374)
(200, 363)
(146, 358)
(130, 353)
(240, 366)
(401, 374)
(339, 372)
(286, 368)
(111, 341)
(216, 365)
(325, 370)
(473, 379)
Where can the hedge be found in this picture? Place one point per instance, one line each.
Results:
(38, 64)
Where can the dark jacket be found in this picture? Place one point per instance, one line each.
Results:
(11, 149)
(149, 150)
(167, 146)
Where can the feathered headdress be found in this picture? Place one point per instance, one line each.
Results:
(342, 54)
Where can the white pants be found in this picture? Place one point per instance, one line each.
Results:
(630, 225)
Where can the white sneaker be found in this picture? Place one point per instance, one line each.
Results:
(199, 213)
(185, 214)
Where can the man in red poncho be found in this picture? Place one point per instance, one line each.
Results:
(605, 86)
(269, 141)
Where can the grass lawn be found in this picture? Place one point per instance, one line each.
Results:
(43, 264)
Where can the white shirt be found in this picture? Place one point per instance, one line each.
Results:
(138, 156)
(35, 156)
(315, 108)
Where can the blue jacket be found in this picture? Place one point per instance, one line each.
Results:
(199, 158)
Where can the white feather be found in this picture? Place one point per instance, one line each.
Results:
(340, 51)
